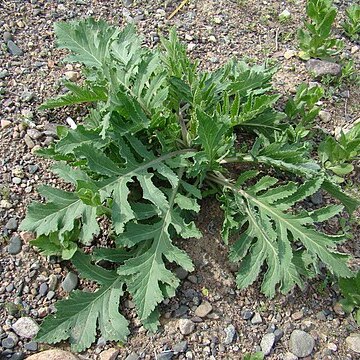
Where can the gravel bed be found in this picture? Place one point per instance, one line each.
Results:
(209, 318)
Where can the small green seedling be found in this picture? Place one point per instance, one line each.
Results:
(351, 25)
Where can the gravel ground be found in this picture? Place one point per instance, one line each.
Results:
(208, 319)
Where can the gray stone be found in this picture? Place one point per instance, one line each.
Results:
(43, 289)
(27, 96)
(257, 319)
(180, 347)
(26, 327)
(31, 346)
(324, 116)
(10, 288)
(15, 244)
(181, 311)
(52, 282)
(32, 169)
(321, 68)
(193, 279)
(54, 354)
(7, 36)
(127, 3)
(16, 180)
(12, 224)
(353, 342)
(14, 49)
(166, 355)
(230, 333)
(267, 343)
(34, 134)
(17, 356)
(133, 356)
(50, 295)
(278, 334)
(301, 343)
(28, 141)
(181, 273)
(10, 341)
(109, 354)
(290, 356)
(317, 198)
(186, 326)
(70, 282)
(204, 309)
(247, 314)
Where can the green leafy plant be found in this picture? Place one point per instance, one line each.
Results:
(255, 356)
(351, 25)
(160, 135)
(337, 155)
(350, 289)
(315, 37)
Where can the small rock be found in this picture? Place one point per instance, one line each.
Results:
(354, 49)
(321, 316)
(5, 123)
(180, 347)
(133, 356)
(332, 347)
(267, 342)
(316, 199)
(27, 96)
(278, 334)
(288, 54)
(28, 141)
(301, 343)
(127, 3)
(70, 282)
(52, 282)
(34, 134)
(257, 319)
(290, 356)
(16, 180)
(321, 68)
(10, 341)
(43, 289)
(247, 314)
(204, 309)
(324, 116)
(10, 288)
(298, 314)
(217, 20)
(191, 47)
(12, 224)
(212, 38)
(15, 245)
(166, 355)
(7, 36)
(230, 333)
(31, 346)
(26, 327)
(338, 309)
(14, 49)
(53, 355)
(17, 356)
(71, 75)
(181, 273)
(353, 342)
(50, 295)
(186, 326)
(110, 354)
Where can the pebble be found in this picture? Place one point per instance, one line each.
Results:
(10, 288)
(32, 169)
(278, 334)
(186, 326)
(247, 314)
(257, 319)
(52, 282)
(290, 356)
(29, 142)
(14, 49)
(193, 279)
(71, 75)
(34, 134)
(230, 333)
(31, 346)
(324, 116)
(17, 356)
(12, 223)
(109, 354)
(16, 180)
(166, 355)
(353, 342)
(27, 96)
(180, 347)
(204, 309)
(10, 341)
(301, 343)
(50, 295)
(338, 309)
(267, 343)
(298, 314)
(15, 245)
(288, 54)
(54, 354)
(133, 356)
(70, 282)
(181, 273)
(354, 49)
(26, 327)
(321, 68)
(5, 123)
(43, 289)
(7, 36)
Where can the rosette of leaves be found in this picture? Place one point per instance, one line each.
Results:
(160, 133)
(315, 37)
(351, 25)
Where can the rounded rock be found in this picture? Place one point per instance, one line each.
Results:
(204, 309)
(15, 245)
(26, 327)
(53, 355)
(12, 223)
(301, 343)
(267, 343)
(353, 342)
(186, 326)
(70, 282)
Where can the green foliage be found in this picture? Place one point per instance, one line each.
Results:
(350, 289)
(159, 136)
(256, 356)
(315, 37)
(351, 25)
(336, 154)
